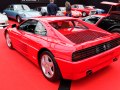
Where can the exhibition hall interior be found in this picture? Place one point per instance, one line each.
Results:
(59, 44)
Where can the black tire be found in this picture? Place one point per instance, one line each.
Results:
(56, 75)
(115, 30)
(8, 40)
(84, 14)
(18, 19)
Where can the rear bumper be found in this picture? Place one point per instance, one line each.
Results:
(77, 70)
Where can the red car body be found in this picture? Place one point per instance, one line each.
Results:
(67, 45)
(83, 9)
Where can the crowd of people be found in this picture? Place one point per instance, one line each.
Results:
(52, 8)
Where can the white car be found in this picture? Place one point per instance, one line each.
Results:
(3, 20)
(62, 12)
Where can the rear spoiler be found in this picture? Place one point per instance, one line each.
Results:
(110, 3)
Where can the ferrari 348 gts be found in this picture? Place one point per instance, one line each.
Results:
(64, 47)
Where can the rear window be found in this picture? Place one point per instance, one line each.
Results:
(67, 24)
(91, 19)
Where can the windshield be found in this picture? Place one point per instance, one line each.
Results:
(62, 8)
(21, 7)
(67, 24)
(81, 6)
(78, 6)
(91, 19)
(26, 7)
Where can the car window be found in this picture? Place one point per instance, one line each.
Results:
(21, 7)
(9, 7)
(28, 26)
(78, 6)
(115, 8)
(18, 7)
(40, 29)
(38, 9)
(106, 23)
(92, 19)
(107, 20)
(25, 7)
(67, 24)
(81, 6)
(62, 8)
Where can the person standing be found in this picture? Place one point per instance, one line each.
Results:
(68, 9)
(52, 8)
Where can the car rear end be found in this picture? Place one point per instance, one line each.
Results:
(94, 51)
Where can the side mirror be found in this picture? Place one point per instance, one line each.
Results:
(14, 26)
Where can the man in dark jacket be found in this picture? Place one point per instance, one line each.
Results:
(52, 8)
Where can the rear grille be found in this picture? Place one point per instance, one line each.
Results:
(94, 50)
(80, 37)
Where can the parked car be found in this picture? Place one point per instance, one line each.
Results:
(3, 20)
(64, 46)
(109, 21)
(42, 10)
(85, 11)
(62, 12)
(98, 10)
(20, 12)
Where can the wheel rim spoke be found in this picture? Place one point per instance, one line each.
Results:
(43, 62)
(50, 72)
(50, 64)
(46, 58)
(47, 66)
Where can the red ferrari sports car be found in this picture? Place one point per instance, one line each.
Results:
(64, 47)
(83, 9)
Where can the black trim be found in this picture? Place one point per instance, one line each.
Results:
(64, 84)
(94, 50)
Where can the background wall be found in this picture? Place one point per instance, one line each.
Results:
(5, 3)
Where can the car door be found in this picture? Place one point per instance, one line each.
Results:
(23, 34)
(33, 36)
(37, 40)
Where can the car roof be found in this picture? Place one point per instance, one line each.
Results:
(110, 3)
(18, 4)
(61, 7)
(43, 6)
(53, 18)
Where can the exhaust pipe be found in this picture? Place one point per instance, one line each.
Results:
(89, 72)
